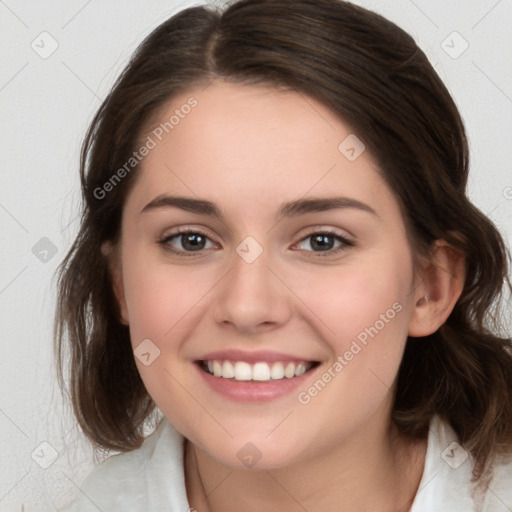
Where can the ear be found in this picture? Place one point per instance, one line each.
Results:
(111, 253)
(441, 283)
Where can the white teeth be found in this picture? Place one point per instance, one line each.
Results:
(217, 369)
(277, 371)
(243, 371)
(289, 371)
(300, 369)
(228, 371)
(261, 371)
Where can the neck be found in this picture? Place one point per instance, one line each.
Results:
(374, 470)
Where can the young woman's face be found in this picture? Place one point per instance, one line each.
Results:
(299, 260)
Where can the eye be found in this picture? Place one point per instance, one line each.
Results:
(190, 241)
(324, 242)
(194, 241)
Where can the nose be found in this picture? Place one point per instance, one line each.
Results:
(252, 298)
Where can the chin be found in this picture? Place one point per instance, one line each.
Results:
(241, 453)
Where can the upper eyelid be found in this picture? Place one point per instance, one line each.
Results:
(317, 228)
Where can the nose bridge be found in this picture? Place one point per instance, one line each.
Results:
(251, 294)
(250, 269)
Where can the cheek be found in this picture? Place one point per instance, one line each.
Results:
(159, 295)
(354, 297)
(162, 300)
(366, 307)
(364, 310)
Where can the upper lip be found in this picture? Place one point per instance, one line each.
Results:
(251, 357)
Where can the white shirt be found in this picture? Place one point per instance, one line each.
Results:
(151, 478)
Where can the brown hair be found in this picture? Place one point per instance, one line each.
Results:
(373, 75)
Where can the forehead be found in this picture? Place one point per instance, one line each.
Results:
(242, 146)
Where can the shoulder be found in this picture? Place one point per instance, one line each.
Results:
(139, 480)
(446, 482)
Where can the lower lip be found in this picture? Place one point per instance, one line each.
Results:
(251, 391)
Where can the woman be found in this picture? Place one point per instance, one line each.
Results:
(277, 251)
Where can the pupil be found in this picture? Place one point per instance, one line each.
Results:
(320, 242)
(193, 242)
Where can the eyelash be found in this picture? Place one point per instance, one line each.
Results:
(345, 243)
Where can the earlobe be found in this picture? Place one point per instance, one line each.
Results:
(441, 285)
(114, 264)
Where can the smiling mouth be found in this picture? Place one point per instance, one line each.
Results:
(257, 372)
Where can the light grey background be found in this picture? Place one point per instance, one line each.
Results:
(46, 103)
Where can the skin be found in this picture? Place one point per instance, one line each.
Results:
(249, 149)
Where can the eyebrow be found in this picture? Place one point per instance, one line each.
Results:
(287, 210)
